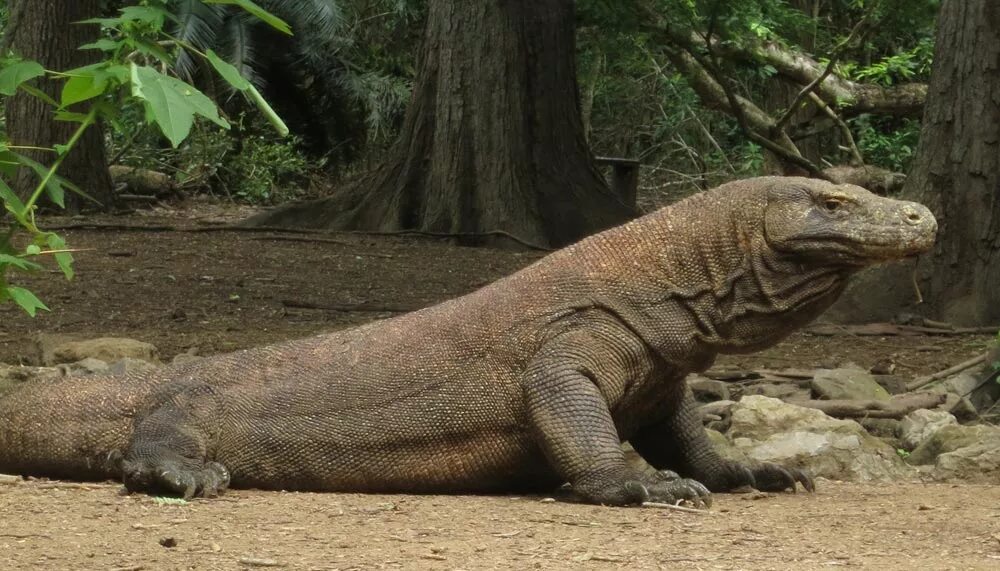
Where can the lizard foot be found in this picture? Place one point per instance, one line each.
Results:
(665, 487)
(175, 477)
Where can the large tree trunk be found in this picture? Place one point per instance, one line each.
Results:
(957, 174)
(493, 140)
(45, 31)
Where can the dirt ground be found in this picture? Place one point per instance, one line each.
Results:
(209, 291)
(842, 525)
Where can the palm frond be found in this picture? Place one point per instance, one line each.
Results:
(199, 25)
(238, 46)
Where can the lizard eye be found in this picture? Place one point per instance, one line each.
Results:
(832, 204)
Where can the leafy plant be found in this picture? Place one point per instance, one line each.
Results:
(137, 52)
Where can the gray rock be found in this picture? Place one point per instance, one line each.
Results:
(847, 383)
(106, 349)
(781, 391)
(978, 463)
(130, 365)
(893, 384)
(770, 430)
(950, 438)
(88, 366)
(918, 426)
(956, 452)
(708, 390)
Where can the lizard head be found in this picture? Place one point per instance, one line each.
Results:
(818, 222)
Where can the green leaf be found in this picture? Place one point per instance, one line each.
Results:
(54, 187)
(85, 83)
(258, 12)
(149, 14)
(39, 94)
(13, 75)
(103, 44)
(20, 263)
(171, 103)
(33, 250)
(70, 117)
(26, 300)
(228, 71)
(63, 259)
(10, 200)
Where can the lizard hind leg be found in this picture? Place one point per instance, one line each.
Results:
(169, 452)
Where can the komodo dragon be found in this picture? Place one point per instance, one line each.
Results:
(527, 383)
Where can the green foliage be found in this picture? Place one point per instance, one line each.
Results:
(255, 167)
(886, 141)
(134, 45)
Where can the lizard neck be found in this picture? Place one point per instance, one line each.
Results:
(698, 278)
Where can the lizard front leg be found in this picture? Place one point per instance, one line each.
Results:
(169, 449)
(573, 426)
(678, 442)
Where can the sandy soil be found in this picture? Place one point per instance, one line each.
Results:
(899, 526)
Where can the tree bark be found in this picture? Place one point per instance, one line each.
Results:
(493, 139)
(45, 31)
(957, 174)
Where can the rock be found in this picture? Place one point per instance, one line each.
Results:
(781, 391)
(975, 386)
(770, 430)
(725, 448)
(949, 438)
(130, 365)
(108, 349)
(88, 366)
(708, 390)
(956, 452)
(978, 463)
(44, 344)
(847, 383)
(888, 429)
(957, 405)
(893, 384)
(918, 426)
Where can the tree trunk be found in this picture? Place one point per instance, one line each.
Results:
(44, 31)
(957, 174)
(493, 141)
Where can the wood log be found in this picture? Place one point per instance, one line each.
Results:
(897, 407)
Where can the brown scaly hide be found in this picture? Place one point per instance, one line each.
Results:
(530, 381)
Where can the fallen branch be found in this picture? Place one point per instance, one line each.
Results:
(924, 381)
(896, 408)
(360, 307)
(240, 228)
(664, 506)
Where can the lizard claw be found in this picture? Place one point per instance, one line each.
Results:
(775, 478)
(169, 477)
(681, 489)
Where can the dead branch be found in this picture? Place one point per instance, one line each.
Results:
(851, 97)
(665, 506)
(265, 229)
(924, 381)
(809, 89)
(358, 307)
(896, 408)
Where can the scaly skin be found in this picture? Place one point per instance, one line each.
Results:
(529, 382)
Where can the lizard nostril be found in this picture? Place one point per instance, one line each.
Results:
(912, 217)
